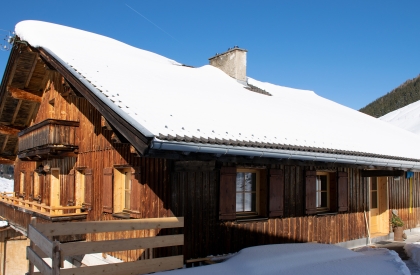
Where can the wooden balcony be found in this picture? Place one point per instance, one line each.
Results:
(48, 139)
(10, 199)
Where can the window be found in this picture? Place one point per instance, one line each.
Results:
(374, 193)
(322, 191)
(326, 192)
(122, 189)
(247, 193)
(247, 181)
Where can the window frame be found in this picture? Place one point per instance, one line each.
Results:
(120, 178)
(257, 211)
(328, 191)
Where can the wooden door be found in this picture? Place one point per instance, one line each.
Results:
(379, 213)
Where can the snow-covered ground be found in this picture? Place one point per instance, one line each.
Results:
(6, 185)
(413, 251)
(302, 259)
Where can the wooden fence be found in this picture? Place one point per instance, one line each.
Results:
(41, 235)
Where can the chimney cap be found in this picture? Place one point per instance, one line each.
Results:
(234, 48)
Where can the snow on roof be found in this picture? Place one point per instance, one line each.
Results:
(407, 117)
(170, 100)
(302, 259)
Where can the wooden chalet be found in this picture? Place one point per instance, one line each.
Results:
(78, 158)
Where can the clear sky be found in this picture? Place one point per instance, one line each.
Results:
(351, 52)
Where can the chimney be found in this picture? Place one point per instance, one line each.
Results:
(232, 62)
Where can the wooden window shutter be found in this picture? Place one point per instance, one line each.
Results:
(276, 193)
(31, 186)
(342, 191)
(135, 194)
(227, 204)
(70, 189)
(107, 190)
(88, 188)
(310, 192)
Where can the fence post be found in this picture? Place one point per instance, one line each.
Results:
(56, 259)
(31, 265)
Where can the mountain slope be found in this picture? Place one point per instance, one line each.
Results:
(405, 94)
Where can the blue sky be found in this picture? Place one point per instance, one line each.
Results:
(351, 52)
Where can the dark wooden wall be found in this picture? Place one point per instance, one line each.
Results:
(195, 196)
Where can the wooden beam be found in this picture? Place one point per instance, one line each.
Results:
(6, 161)
(136, 267)
(105, 124)
(23, 95)
(382, 173)
(7, 130)
(80, 248)
(16, 112)
(6, 139)
(58, 229)
(32, 70)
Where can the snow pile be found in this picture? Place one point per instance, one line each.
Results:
(302, 259)
(159, 96)
(407, 117)
(413, 251)
(6, 185)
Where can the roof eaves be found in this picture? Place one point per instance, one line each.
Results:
(223, 149)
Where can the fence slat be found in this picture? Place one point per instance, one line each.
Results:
(42, 266)
(58, 229)
(79, 248)
(40, 241)
(133, 268)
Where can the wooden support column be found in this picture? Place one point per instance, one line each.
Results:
(23, 95)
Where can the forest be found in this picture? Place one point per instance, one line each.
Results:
(401, 96)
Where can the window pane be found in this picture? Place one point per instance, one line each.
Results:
(250, 181)
(374, 184)
(249, 201)
(374, 199)
(240, 179)
(240, 202)
(323, 182)
(324, 197)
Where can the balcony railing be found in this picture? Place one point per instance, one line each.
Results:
(48, 139)
(41, 208)
(41, 236)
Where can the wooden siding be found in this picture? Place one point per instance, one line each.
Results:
(399, 199)
(195, 196)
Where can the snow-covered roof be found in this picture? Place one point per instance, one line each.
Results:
(407, 117)
(204, 105)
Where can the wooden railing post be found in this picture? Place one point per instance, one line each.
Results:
(56, 259)
(30, 264)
